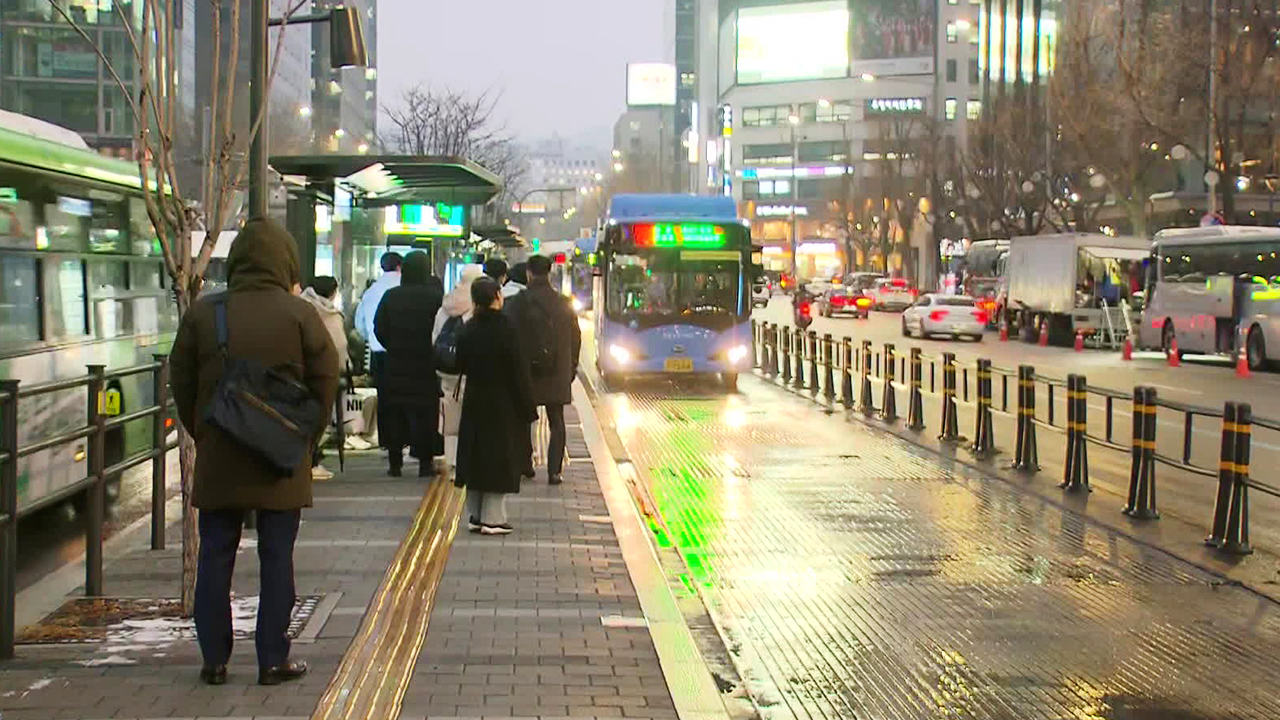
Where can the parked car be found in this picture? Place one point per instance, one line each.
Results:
(844, 299)
(892, 294)
(951, 315)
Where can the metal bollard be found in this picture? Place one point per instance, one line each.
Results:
(1142, 475)
(915, 404)
(982, 439)
(1075, 474)
(8, 527)
(786, 354)
(755, 331)
(889, 399)
(95, 494)
(1226, 476)
(159, 462)
(866, 404)
(950, 431)
(798, 374)
(828, 373)
(813, 362)
(766, 363)
(1026, 456)
(846, 371)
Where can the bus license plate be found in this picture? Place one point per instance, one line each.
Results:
(679, 365)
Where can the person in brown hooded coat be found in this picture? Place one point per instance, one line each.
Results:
(266, 322)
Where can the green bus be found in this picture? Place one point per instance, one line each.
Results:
(82, 281)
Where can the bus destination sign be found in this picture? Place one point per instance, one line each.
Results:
(678, 235)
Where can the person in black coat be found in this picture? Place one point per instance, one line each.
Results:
(409, 414)
(548, 328)
(497, 407)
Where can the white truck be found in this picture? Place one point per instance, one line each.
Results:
(1071, 283)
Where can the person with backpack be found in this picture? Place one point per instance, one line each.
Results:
(454, 312)
(550, 340)
(254, 375)
(410, 404)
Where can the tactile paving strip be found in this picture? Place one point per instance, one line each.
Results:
(855, 577)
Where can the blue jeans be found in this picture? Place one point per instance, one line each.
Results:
(219, 539)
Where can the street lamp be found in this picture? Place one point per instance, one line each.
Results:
(617, 167)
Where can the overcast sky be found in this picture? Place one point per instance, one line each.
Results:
(559, 64)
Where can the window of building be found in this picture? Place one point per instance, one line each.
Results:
(766, 116)
(951, 70)
(770, 154)
(949, 108)
(973, 109)
(838, 111)
(953, 32)
(821, 152)
(973, 72)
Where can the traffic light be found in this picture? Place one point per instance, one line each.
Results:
(536, 245)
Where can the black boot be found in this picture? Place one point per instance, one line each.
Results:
(396, 458)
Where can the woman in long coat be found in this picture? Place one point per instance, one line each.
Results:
(410, 410)
(497, 407)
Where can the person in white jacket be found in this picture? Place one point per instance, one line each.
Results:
(457, 303)
(367, 311)
(321, 294)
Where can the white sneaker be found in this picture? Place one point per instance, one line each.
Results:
(321, 472)
(502, 529)
(355, 442)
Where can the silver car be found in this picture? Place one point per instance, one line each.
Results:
(951, 315)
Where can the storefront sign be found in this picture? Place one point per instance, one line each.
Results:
(780, 210)
(895, 106)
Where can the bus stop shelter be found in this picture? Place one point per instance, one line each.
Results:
(373, 182)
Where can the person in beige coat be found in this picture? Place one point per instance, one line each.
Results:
(322, 295)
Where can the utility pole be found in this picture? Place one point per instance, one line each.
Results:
(793, 120)
(1211, 141)
(257, 101)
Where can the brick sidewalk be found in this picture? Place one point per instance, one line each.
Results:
(534, 608)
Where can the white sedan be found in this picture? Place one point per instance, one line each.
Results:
(951, 315)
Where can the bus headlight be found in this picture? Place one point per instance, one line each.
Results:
(620, 354)
(577, 305)
(736, 354)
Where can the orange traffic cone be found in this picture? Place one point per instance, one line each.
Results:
(1242, 364)
(1044, 334)
(1175, 359)
(1079, 341)
(1127, 352)
(1004, 330)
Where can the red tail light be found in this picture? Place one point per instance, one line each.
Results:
(560, 258)
(937, 315)
(884, 289)
(980, 316)
(914, 292)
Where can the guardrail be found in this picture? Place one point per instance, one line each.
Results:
(93, 484)
(780, 353)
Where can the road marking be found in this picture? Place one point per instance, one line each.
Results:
(1174, 389)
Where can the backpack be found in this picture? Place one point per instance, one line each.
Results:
(269, 413)
(446, 346)
(540, 328)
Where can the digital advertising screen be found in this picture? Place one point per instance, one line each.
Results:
(800, 41)
(893, 37)
(650, 84)
(435, 220)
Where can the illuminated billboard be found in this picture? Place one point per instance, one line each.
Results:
(800, 41)
(894, 37)
(435, 220)
(1000, 58)
(650, 84)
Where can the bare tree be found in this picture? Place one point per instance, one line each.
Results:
(429, 121)
(160, 119)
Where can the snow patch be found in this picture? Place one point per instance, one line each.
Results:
(40, 684)
(109, 660)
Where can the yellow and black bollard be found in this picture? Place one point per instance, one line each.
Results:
(786, 354)
(1075, 474)
(1236, 541)
(828, 372)
(950, 431)
(889, 399)
(846, 371)
(797, 375)
(1226, 476)
(1026, 456)
(865, 403)
(1142, 475)
(813, 362)
(915, 403)
(982, 439)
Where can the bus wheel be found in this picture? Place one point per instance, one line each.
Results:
(1256, 349)
(730, 381)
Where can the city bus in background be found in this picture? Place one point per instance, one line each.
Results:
(558, 252)
(1216, 290)
(674, 295)
(982, 269)
(82, 281)
(581, 273)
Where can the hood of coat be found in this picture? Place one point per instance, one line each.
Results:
(458, 301)
(323, 305)
(263, 255)
(416, 269)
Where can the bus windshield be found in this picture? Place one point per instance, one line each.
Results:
(671, 283)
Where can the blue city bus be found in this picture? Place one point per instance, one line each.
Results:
(674, 290)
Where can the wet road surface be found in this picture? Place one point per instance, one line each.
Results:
(853, 576)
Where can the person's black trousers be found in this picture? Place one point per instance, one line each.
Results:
(377, 367)
(555, 453)
(219, 540)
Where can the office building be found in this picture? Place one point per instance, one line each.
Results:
(344, 102)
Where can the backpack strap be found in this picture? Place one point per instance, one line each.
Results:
(220, 324)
